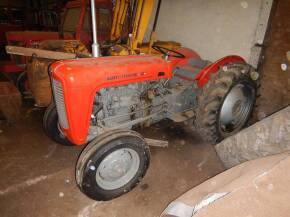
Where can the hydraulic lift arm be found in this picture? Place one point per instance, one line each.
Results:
(141, 20)
(119, 17)
(137, 14)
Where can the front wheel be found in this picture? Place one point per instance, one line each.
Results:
(51, 128)
(226, 103)
(21, 82)
(112, 164)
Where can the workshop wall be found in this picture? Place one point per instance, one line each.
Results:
(275, 83)
(214, 28)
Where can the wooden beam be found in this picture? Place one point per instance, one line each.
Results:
(157, 143)
(288, 55)
(47, 54)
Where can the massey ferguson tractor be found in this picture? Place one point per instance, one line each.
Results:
(99, 101)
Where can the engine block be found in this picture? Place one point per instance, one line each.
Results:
(119, 103)
(146, 103)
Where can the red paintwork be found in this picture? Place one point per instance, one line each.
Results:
(80, 34)
(29, 38)
(204, 75)
(9, 66)
(5, 28)
(82, 78)
(188, 53)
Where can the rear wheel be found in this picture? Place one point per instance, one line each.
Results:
(226, 103)
(51, 127)
(112, 164)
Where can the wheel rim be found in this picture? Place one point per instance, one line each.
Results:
(236, 108)
(117, 169)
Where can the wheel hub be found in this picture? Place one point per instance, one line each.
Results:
(117, 168)
(236, 108)
(115, 165)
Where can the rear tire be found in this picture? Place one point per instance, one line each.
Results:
(51, 128)
(225, 103)
(112, 164)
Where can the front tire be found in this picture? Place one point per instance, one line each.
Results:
(51, 128)
(226, 103)
(21, 82)
(112, 164)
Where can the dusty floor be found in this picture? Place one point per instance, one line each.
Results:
(37, 175)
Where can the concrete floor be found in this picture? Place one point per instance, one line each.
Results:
(37, 175)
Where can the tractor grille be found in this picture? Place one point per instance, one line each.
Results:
(59, 101)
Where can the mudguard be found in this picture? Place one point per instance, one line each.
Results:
(204, 75)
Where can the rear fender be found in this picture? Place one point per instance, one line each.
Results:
(204, 75)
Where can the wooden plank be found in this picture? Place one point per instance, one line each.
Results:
(157, 143)
(24, 51)
(288, 55)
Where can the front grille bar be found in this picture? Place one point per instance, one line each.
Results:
(60, 105)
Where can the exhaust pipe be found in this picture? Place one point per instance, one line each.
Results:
(95, 45)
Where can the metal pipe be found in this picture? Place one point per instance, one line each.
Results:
(156, 16)
(95, 45)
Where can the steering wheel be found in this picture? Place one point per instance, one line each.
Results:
(168, 52)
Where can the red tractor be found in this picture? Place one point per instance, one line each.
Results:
(100, 100)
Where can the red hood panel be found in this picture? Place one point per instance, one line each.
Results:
(82, 78)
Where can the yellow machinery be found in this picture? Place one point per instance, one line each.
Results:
(119, 17)
(138, 14)
(141, 20)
